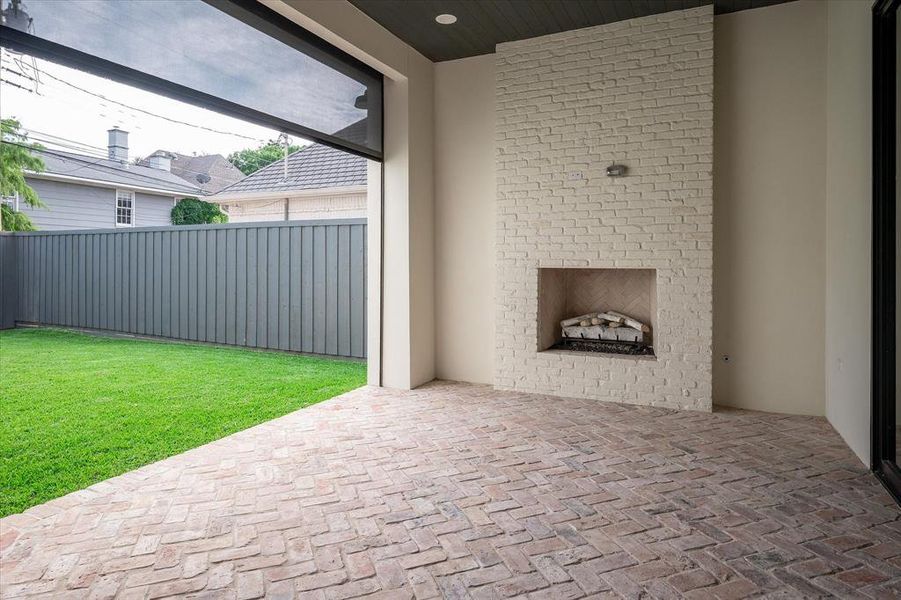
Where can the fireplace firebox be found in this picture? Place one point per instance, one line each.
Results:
(610, 311)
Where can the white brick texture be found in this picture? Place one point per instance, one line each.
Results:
(639, 92)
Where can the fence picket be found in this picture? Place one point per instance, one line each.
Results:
(296, 285)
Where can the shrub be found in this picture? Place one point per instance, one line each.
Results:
(192, 211)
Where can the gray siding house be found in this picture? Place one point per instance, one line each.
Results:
(84, 192)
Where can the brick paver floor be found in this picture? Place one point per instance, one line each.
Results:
(462, 491)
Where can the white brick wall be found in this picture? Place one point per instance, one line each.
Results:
(639, 92)
(325, 206)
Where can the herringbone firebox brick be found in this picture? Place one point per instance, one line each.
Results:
(462, 491)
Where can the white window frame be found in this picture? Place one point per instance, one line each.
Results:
(133, 208)
(11, 201)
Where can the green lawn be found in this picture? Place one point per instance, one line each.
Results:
(76, 409)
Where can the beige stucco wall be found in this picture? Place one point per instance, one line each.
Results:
(769, 162)
(465, 219)
(769, 208)
(421, 185)
(406, 304)
(411, 321)
(848, 200)
(754, 255)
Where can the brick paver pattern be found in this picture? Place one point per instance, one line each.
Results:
(463, 491)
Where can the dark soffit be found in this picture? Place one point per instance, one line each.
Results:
(482, 24)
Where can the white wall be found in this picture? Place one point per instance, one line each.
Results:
(769, 227)
(848, 200)
(464, 219)
(249, 211)
(346, 205)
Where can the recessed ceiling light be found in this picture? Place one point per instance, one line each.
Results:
(446, 19)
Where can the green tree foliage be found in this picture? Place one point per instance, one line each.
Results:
(14, 220)
(16, 157)
(192, 211)
(251, 160)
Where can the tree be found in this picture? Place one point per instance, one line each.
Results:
(251, 160)
(16, 157)
(192, 211)
(14, 220)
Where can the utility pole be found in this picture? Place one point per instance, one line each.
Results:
(15, 17)
(283, 138)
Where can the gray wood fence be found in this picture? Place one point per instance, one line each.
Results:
(297, 286)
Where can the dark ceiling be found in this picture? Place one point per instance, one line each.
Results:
(482, 24)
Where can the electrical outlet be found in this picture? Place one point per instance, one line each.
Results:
(575, 176)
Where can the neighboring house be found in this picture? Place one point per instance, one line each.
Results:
(321, 183)
(84, 192)
(209, 172)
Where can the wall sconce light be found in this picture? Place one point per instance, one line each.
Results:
(616, 170)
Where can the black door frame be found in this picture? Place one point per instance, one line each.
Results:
(883, 431)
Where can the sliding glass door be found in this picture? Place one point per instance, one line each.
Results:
(886, 387)
(897, 51)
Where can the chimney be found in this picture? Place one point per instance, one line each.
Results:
(160, 160)
(118, 144)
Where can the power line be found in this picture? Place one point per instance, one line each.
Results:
(85, 163)
(82, 103)
(63, 142)
(147, 112)
(23, 75)
(31, 89)
(21, 87)
(87, 149)
(77, 101)
(103, 155)
(98, 163)
(19, 62)
(141, 110)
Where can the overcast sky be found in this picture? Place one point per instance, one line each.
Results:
(51, 106)
(190, 43)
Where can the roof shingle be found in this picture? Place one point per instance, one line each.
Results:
(312, 167)
(221, 173)
(57, 162)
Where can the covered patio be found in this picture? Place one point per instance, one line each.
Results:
(653, 244)
(462, 491)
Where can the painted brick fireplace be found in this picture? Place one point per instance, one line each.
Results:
(636, 92)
